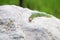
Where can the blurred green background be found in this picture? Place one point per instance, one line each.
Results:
(49, 6)
(10, 2)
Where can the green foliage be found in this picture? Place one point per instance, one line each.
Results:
(10, 2)
(49, 6)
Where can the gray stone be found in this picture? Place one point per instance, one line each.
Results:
(15, 24)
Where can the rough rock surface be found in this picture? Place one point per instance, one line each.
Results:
(15, 25)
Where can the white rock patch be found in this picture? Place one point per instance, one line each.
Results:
(15, 25)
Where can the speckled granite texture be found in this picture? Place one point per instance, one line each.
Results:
(16, 24)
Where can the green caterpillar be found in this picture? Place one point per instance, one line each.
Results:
(34, 15)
